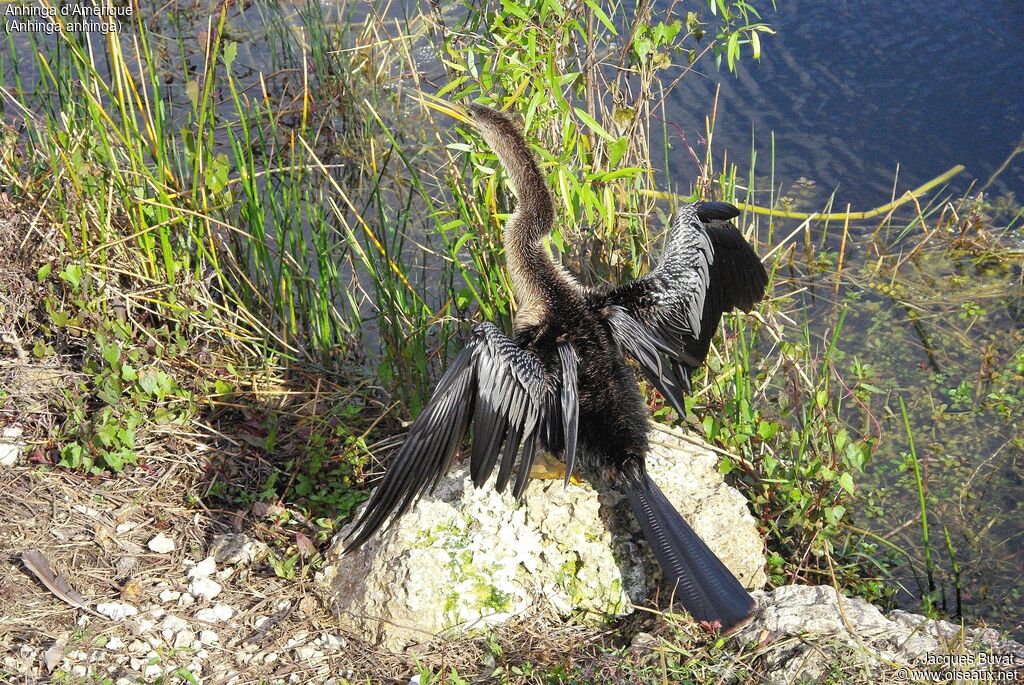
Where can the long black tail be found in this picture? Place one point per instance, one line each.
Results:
(703, 584)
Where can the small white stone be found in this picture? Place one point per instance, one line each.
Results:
(80, 670)
(152, 671)
(208, 637)
(204, 587)
(305, 652)
(137, 664)
(142, 626)
(204, 569)
(215, 614)
(9, 453)
(270, 658)
(259, 621)
(116, 611)
(174, 623)
(207, 615)
(184, 639)
(125, 527)
(186, 600)
(161, 544)
(114, 643)
(223, 611)
(157, 612)
(333, 641)
(138, 647)
(169, 596)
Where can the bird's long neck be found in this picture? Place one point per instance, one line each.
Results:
(537, 279)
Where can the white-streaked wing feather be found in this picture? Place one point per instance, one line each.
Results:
(508, 395)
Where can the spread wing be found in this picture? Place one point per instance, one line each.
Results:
(666, 319)
(511, 400)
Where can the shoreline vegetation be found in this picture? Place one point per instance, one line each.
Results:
(237, 250)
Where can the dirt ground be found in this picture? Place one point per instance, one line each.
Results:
(168, 614)
(250, 626)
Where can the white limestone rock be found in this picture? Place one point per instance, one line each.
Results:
(465, 558)
(858, 638)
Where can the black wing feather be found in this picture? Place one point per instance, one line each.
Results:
(669, 300)
(407, 476)
(570, 407)
(640, 344)
(710, 211)
(666, 319)
(529, 449)
(738, 280)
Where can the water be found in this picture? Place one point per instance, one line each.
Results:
(852, 90)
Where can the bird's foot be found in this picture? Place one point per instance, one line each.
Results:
(546, 467)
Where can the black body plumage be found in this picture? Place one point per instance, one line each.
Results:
(562, 383)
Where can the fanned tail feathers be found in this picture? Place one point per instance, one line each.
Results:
(704, 586)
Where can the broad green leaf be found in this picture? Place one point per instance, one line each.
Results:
(616, 150)
(593, 125)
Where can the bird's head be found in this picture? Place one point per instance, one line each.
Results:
(498, 129)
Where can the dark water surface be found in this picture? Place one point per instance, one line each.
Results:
(853, 89)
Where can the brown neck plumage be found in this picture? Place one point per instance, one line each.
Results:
(537, 279)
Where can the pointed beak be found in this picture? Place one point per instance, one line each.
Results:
(444, 106)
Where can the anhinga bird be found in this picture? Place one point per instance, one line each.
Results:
(561, 383)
